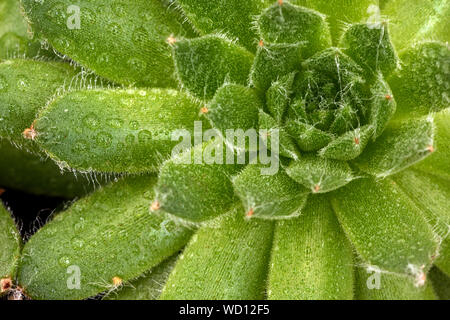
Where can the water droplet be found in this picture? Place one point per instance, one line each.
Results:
(64, 261)
(104, 139)
(80, 147)
(130, 139)
(134, 125)
(115, 28)
(115, 123)
(103, 58)
(23, 83)
(91, 121)
(57, 13)
(77, 243)
(144, 136)
(137, 64)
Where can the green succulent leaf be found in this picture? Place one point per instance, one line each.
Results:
(370, 46)
(274, 61)
(21, 170)
(234, 18)
(10, 247)
(417, 20)
(234, 107)
(101, 240)
(121, 130)
(148, 286)
(278, 96)
(431, 194)
(14, 38)
(342, 12)
(286, 145)
(25, 87)
(307, 137)
(287, 23)
(194, 189)
(374, 285)
(205, 64)
(386, 228)
(423, 84)
(399, 147)
(309, 254)
(383, 105)
(348, 146)
(320, 175)
(437, 163)
(441, 283)
(224, 260)
(269, 196)
(105, 29)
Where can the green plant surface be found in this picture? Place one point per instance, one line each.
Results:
(381, 230)
(389, 287)
(110, 241)
(21, 170)
(148, 286)
(10, 242)
(441, 283)
(224, 260)
(105, 30)
(417, 20)
(25, 88)
(15, 41)
(311, 258)
(122, 131)
(355, 94)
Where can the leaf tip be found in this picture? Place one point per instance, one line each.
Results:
(155, 206)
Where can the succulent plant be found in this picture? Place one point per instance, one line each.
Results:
(345, 196)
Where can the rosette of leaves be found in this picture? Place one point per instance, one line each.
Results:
(358, 208)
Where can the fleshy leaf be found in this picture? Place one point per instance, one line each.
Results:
(14, 38)
(286, 146)
(123, 42)
(234, 18)
(320, 175)
(370, 46)
(224, 260)
(25, 87)
(273, 61)
(348, 146)
(374, 285)
(441, 283)
(21, 170)
(398, 148)
(205, 64)
(116, 130)
(10, 243)
(417, 20)
(195, 187)
(234, 107)
(287, 23)
(342, 12)
(431, 194)
(383, 105)
(99, 243)
(269, 196)
(385, 227)
(438, 163)
(309, 253)
(307, 137)
(148, 286)
(423, 84)
(278, 96)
